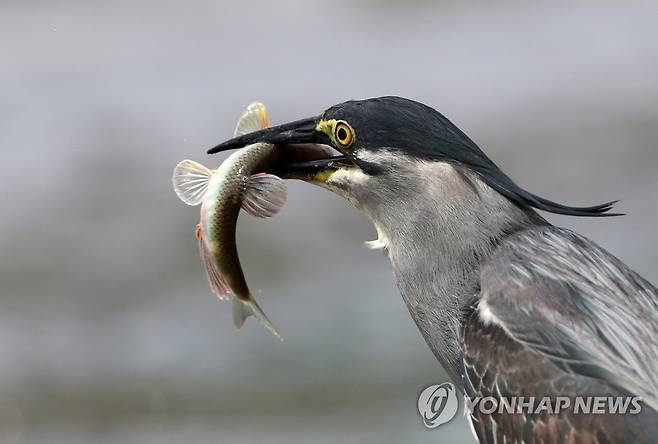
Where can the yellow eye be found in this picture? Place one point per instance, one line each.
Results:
(344, 134)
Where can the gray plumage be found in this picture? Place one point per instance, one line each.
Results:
(509, 304)
(563, 296)
(480, 273)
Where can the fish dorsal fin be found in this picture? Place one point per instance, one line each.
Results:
(191, 181)
(264, 195)
(252, 119)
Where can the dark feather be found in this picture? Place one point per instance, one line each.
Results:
(496, 365)
(396, 123)
(566, 318)
(505, 186)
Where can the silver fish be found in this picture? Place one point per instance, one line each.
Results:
(239, 182)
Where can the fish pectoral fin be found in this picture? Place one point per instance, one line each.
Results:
(243, 309)
(265, 195)
(190, 181)
(252, 119)
(218, 284)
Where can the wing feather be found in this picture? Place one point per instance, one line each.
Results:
(565, 297)
(559, 316)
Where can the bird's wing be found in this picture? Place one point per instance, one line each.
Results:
(495, 365)
(565, 297)
(558, 315)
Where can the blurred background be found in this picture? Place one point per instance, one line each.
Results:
(108, 331)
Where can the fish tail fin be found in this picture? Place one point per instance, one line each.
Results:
(218, 284)
(243, 309)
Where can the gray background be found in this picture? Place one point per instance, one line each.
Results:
(108, 332)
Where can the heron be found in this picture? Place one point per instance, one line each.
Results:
(509, 304)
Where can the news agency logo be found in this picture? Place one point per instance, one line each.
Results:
(438, 404)
(579, 405)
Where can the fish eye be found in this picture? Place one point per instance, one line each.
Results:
(344, 134)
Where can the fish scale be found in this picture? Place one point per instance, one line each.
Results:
(222, 214)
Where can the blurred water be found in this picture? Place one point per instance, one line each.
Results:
(108, 332)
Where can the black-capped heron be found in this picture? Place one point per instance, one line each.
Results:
(509, 304)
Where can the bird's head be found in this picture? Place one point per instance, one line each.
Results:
(389, 151)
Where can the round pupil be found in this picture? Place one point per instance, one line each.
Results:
(342, 134)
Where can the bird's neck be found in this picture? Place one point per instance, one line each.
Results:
(437, 237)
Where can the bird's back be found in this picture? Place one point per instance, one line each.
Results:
(560, 316)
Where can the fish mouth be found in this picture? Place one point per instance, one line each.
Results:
(307, 152)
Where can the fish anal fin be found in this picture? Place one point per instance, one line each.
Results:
(218, 284)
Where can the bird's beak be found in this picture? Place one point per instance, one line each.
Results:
(299, 131)
(307, 155)
(315, 171)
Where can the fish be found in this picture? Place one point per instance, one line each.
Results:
(240, 182)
